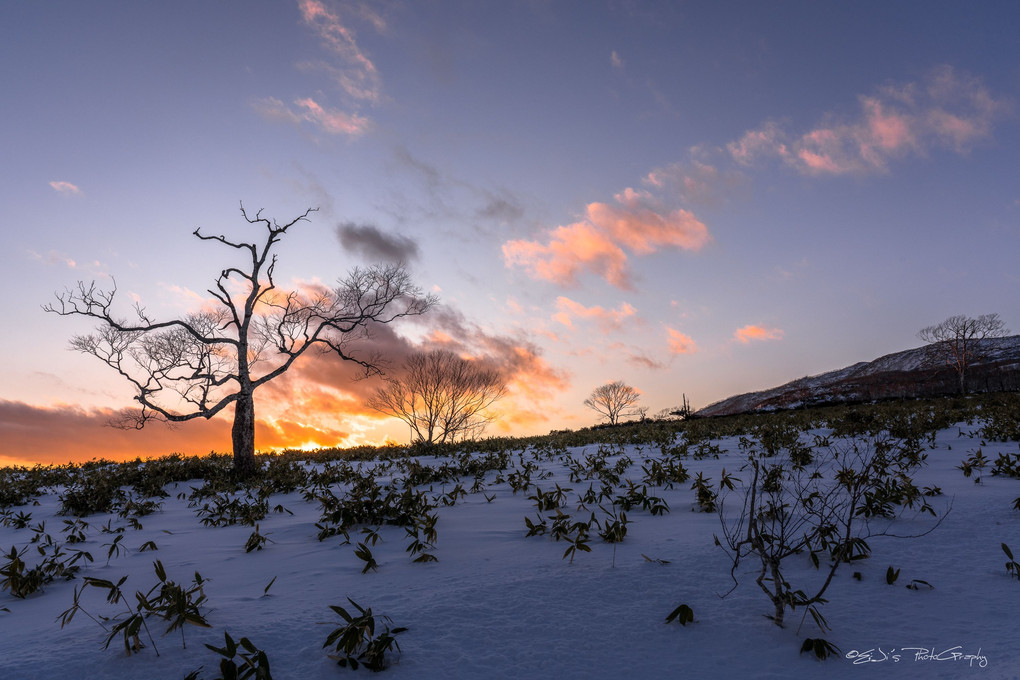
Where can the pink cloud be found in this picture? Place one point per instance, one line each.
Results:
(680, 343)
(607, 319)
(66, 188)
(754, 333)
(332, 121)
(952, 111)
(597, 242)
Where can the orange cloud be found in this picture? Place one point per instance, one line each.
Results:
(680, 343)
(323, 386)
(321, 400)
(570, 249)
(749, 333)
(608, 319)
(951, 110)
(597, 243)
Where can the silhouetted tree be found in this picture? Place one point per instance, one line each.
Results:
(254, 332)
(442, 397)
(957, 342)
(613, 401)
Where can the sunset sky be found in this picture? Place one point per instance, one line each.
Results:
(704, 198)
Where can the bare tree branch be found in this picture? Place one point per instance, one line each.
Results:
(441, 396)
(197, 366)
(613, 401)
(957, 342)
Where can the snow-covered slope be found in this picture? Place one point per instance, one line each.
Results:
(902, 374)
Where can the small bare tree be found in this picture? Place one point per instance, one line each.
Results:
(442, 397)
(197, 366)
(614, 401)
(958, 343)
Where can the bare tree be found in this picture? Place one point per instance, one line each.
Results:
(254, 332)
(957, 342)
(441, 396)
(613, 401)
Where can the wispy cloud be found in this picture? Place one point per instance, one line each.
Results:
(949, 109)
(751, 333)
(346, 63)
(330, 121)
(696, 182)
(66, 188)
(353, 70)
(53, 257)
(599, 242)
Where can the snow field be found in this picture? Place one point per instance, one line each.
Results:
(500, 605)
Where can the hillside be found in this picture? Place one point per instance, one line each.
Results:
(898, 375)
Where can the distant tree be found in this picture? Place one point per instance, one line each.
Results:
(956, 342)
(254, 332)
(682, 412)
(441, 396)
(614, 401)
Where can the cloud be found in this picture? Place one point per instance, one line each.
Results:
(66, 189)
(608, 319)
(354, 72)
(597, 243)
(635, 357)
(755, 144)
(330, 121)
(615, 60)
(502, 209)
(949, 109)
(376, 245)
(751, 333)
(679, 343)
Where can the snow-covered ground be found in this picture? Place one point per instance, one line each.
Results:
(498, 604)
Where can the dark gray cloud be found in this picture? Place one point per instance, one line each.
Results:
(374, 244)
(501, 209)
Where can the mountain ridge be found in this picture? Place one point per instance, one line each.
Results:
(903, 374)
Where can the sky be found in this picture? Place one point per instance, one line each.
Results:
(698, 198)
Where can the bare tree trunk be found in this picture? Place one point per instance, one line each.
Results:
(778, 597)
(243, 434)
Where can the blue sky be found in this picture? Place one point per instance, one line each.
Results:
(699, 198)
